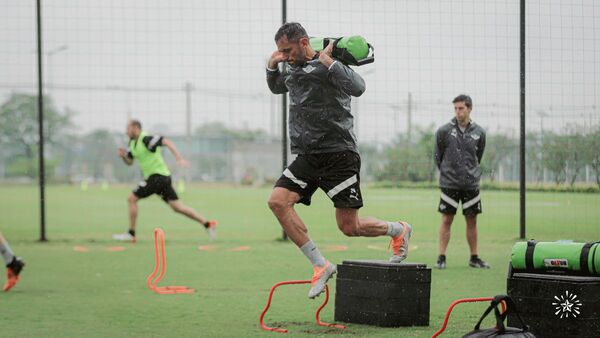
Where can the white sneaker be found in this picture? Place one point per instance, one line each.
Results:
(126, 237)
(212, 230)
(320, 277)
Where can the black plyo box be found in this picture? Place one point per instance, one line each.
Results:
(382, 293)
(556, 305)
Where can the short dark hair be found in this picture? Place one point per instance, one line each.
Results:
(464, 98)
(293, 31)
(136, 123)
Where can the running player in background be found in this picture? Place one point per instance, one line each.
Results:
(157, 177)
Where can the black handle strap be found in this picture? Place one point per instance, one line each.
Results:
(584, 258)
(529, 254)
(500, 317)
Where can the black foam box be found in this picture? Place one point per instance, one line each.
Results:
(556, 305)
(383, 294)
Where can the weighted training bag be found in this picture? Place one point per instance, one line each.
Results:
(500, 330)
(352, 50)
(576, 258)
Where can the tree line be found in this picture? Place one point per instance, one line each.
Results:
(563, 156)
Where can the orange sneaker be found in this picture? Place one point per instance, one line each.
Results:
(320, 277)
(399, 243)
(211, 229)
(12, 273)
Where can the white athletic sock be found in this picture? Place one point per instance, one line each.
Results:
(309, 249)
(6, 252)
(394, 228)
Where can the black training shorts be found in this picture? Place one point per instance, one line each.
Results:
(450, 198)
(337, 174)
(156, 184)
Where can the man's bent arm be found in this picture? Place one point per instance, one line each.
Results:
(276, 81)
(439, 148)
(169, 144)
(481, 147)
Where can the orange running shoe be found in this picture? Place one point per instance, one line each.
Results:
(399, 243)
(12, 273)
(211, 229)
(320, 277)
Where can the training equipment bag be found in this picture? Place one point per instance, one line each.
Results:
(500, 330)
(352, 50)
(577, 258)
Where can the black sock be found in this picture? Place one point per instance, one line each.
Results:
(442, 258)
(132, 232)
(206, 224)
(474, 257)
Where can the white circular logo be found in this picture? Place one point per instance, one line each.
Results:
(567, 305)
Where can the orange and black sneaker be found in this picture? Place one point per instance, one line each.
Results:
(399, 243)
(12, 273)
(211, 229)
(320, 277)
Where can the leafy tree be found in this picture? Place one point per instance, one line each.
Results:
(556, 156)
(19, 129)
(594, 155)
(497, 148)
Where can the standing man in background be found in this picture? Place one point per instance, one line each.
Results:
(458, 150)
(157, 177)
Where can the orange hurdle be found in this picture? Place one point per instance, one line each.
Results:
(318, 319)
(160, 262)
(459, 301)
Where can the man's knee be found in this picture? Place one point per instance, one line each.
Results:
(471, 220)
(278, 202)
(447, 220)
(132, 199)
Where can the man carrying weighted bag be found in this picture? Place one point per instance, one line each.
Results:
(320, 89)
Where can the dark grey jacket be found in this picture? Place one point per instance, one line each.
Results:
(320, 119)
(458, 155)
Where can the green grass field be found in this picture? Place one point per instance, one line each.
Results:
(65, 293)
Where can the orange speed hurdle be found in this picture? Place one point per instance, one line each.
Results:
(458, 301)
(160, 263)
(318, 319)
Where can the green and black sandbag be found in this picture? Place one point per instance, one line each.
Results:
(351, 50)
(579, 258)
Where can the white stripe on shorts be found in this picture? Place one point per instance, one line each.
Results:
(287, 173)
(342, 186)
(472, 202)
(450, 201)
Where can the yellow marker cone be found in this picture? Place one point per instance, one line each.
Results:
(104, 186)
(84, 185)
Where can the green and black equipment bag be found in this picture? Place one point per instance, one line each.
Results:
(557, 257)
(352, 50)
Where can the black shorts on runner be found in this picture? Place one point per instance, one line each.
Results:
(450, 198)
(337, 174)
(156, 184)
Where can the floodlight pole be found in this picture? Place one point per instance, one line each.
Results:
(41, 169)
(284, 109)
(522, 178)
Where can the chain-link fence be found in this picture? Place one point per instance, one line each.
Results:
(194, 71)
